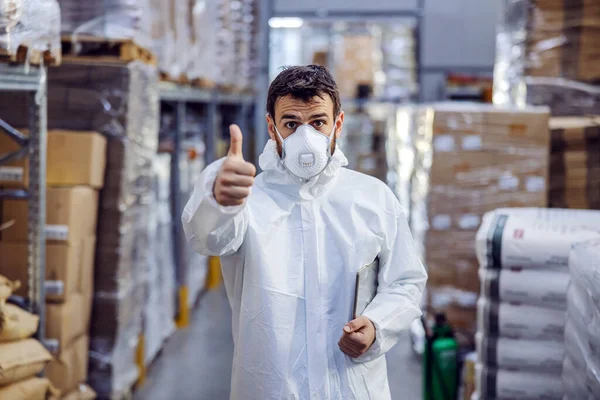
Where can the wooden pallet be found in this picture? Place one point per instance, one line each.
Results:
(90, 49)
(35, 57)
(201, 83)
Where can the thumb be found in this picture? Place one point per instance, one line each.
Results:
(235, 149)
(354, 325)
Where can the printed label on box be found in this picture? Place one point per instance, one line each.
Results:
(444, 143)
(55, 288)
(441, 222)
(471, 142)
(11, 174)
(57, 232)
(469, 221)
(508, 182)
(535, 184)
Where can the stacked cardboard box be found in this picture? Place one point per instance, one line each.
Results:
(76, 162)
(575, 163)
(122, 103)
(21, 358)
(548, 54)
(470, 159)
(523, 255)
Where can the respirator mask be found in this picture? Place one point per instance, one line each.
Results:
(306, 152)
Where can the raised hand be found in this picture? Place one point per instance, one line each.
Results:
(236, 176)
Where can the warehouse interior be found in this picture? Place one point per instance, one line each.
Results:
(481, 118)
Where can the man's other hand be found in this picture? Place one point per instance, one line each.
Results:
(236, 176)
(358, 336)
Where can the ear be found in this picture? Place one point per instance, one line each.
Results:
(271, 125)
(339, 124)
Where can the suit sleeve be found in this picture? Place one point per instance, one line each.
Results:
(212, 229)
(402, 279)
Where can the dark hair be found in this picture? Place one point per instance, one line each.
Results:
(303, 82)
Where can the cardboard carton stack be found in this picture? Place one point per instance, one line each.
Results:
(548, 54)
(21, 358)
(523, 256)
(75, 173)
(575, 163)
(122, 103)
(470, 159)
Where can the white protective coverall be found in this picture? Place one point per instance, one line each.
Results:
(289, 259)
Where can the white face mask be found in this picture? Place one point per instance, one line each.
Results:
(306, 152)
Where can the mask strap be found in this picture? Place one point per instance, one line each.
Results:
(280, 138)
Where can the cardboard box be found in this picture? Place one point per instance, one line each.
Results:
(73, 159)
(18, 324)
(22, 359)
(83, 392)
(71, 213)
(70, 368)
(68, 321)
(69, 267)
(29, 389)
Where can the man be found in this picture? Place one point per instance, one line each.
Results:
(291, 243)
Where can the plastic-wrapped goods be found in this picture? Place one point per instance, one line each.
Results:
(34, 24)
(574, 163)
(122, 103)
(519, 322)
(109, 19)
(468, 159)
(520, 354)
(581, 369)
(546, 289)
(398, 61)
(546, 53)
(525, 242)
(501, 384)
(204, 14)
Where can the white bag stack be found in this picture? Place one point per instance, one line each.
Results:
(523, 256)
(581, 368)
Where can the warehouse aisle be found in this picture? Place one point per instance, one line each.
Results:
(196, 362)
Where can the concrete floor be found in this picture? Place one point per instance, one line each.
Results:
(196, 362)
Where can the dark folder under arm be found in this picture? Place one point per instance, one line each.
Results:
(366, 287)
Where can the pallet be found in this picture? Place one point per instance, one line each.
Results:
(200, 83)
(34, 57)
(90, 49)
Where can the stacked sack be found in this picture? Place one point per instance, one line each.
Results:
(21, 358)
(548, 54)
(523, 256)
(581, 369)
(76, 162)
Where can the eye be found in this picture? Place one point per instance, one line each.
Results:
(319, 123)
(291, 125)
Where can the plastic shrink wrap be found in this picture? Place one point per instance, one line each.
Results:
(581, 369)
(548, 53)
(575, 163)
(524, 257)
(34, 24)
(122, 103)
(159, 308)
(468, 159)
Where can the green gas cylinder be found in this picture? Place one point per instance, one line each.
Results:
(440, 362)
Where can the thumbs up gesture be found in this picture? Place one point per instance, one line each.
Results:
(236, 176)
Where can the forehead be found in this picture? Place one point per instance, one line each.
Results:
(292, 105)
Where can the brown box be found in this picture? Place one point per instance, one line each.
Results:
(73, 159)
(70, 368)
(69, 267)
(460, 272)
(71, 213)
(68, 321)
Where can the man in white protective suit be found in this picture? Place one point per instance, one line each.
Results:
(291, 242)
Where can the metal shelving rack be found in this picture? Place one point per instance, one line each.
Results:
(180, 97)
(31, 80)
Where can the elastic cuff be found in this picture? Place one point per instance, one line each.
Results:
(375, 351)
